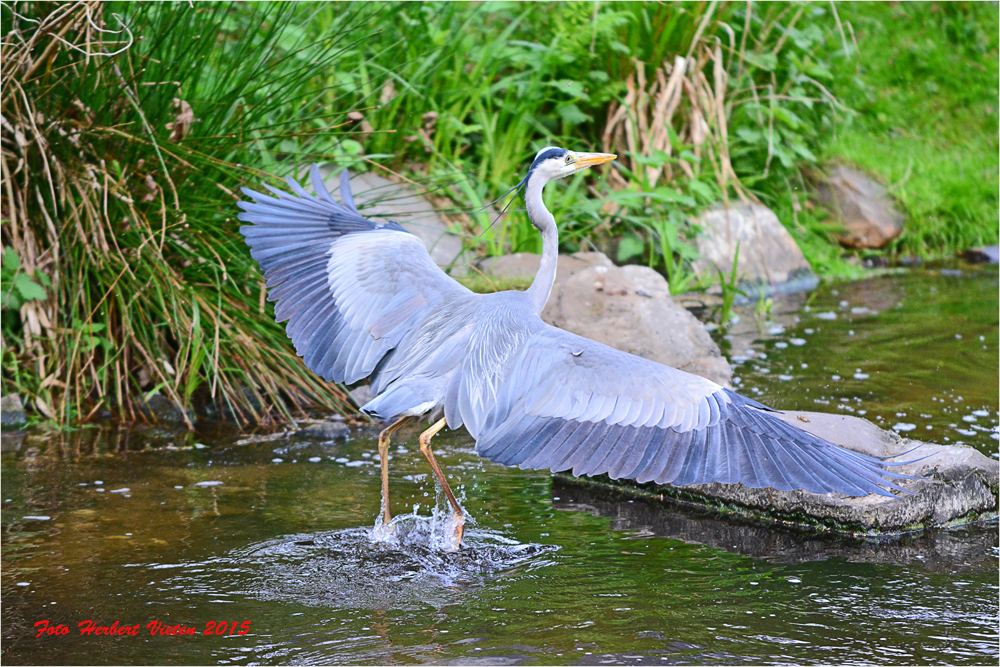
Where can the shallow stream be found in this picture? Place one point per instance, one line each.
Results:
(143, 524)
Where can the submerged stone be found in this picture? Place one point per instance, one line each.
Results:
(324, 430)
(160, 408)
(954, 485)
(985, 255)
(12, 410)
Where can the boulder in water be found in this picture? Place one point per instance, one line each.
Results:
(952, 485)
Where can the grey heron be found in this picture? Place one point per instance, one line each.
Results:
(365, 300)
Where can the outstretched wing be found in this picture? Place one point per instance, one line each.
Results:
(569, 403)
(349, 288)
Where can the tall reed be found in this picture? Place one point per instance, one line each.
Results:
(127, 131)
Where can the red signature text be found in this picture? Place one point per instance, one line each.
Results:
(44, 628)
(156, 628)
(89, 628)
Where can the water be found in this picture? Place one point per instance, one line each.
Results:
(273, 537)
(915, 352)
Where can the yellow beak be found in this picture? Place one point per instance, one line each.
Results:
(585, 160)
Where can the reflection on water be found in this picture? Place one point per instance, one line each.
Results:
(967, 548)
(141, 524)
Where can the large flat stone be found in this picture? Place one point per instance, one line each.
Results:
(955, 485)
(769, 257)
(628, 308)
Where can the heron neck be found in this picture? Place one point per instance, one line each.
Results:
(541, 287)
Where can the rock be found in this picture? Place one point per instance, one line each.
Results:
(381, 200)
(324, 430)
(862, 206)
(524, 265)
(628, 308)
(361, 395)
(159, 408)
(989, 254)
(12, 410)
(958, 485)
(769, 257)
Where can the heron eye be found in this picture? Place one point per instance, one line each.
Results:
(569, 158)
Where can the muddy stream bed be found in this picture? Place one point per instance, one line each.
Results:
(266, 544)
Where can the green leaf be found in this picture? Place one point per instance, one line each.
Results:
(28, 288)
(630, 246)
(572, 114)
(802, 150)
(764, 61)
(750, 136)
(351, 147)
(11, 262)
(11, 300)
(572, 88)
(702, 189)
(667, 194)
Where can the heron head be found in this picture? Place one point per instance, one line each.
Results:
(551, 163)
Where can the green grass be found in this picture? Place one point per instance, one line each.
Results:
(925, 88)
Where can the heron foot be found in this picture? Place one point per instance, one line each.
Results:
(453, 531)
(383, 532)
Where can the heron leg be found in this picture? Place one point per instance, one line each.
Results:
(383, 455)
(458, 517)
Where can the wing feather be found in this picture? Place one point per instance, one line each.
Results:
(638, 419)
(349, 289)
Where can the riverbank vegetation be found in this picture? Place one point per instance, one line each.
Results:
(128, 129)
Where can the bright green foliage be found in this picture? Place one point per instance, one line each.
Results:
(470, 92)
(925, 87)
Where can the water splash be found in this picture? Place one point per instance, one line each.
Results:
(346, 569)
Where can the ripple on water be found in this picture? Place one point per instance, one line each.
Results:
(345, 569)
